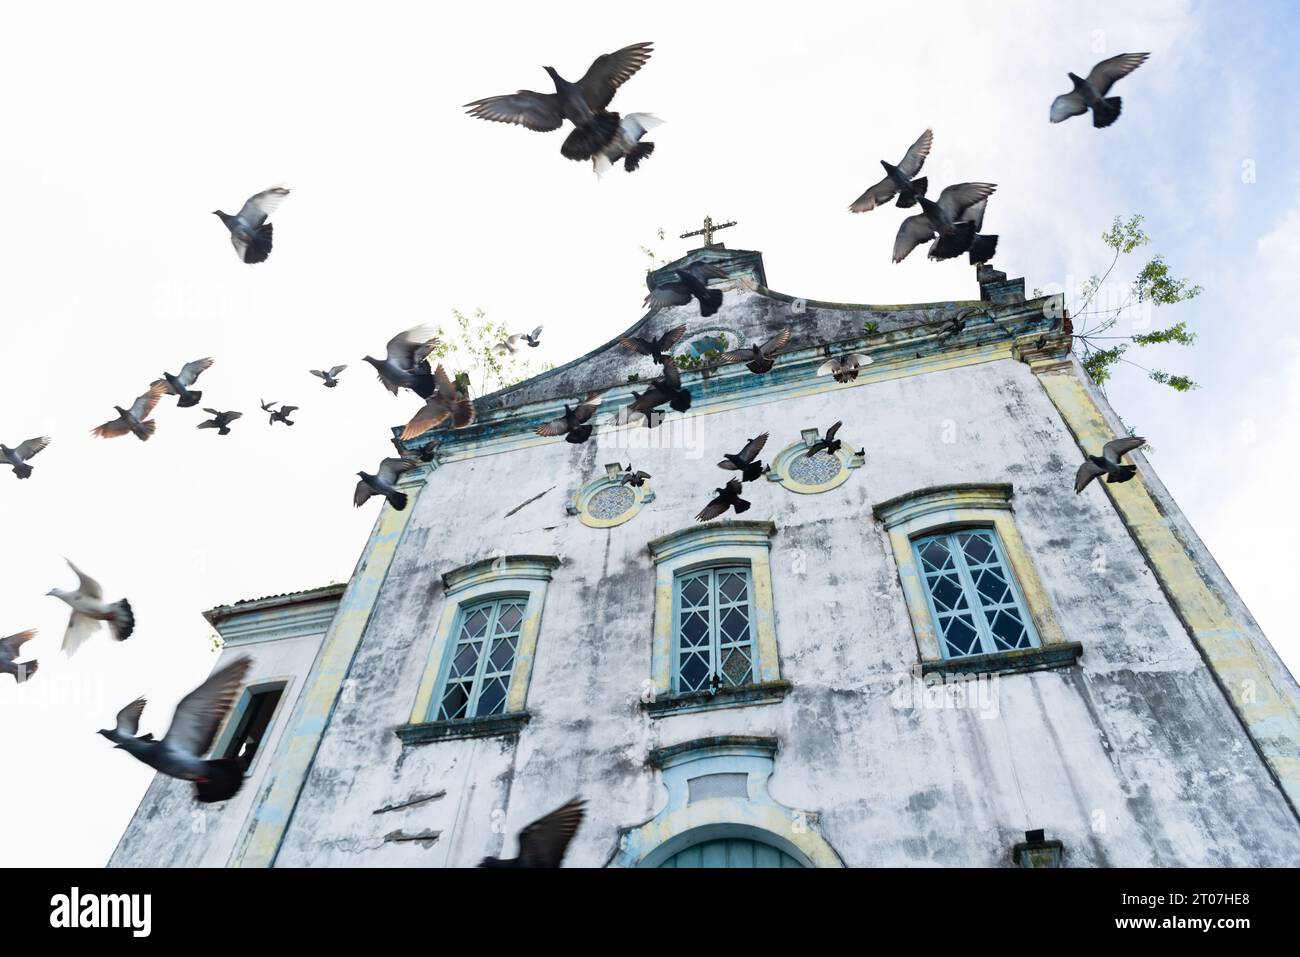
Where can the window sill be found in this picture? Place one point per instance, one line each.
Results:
(767, 692)
(1052, 656)
(497, 726)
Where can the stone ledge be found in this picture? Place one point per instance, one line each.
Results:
(500, 725)
(767, 692)
(1008, 662)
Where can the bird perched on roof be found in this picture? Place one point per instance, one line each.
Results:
(830, 444)
(656, 349)
(899, 180)
(9, 665)
(728, 497)
(511, 343)
(1090, 94)
(331, 377)
(135, 420)
(405, 364)
(89, 609)
(759, 359)
(17, 457)
(445, 402)
(575, 424)
(250, 233)
(943, 222)
(1108, 463)
(179, 754)
(691, 283)
(278, 415)
(664, 388)
(845, 368)
(543, 843)
(179, 385)
(219, 421)
(582, 103)
(384, 482)
(425, 454)
(626, 144)
(746, 461)
(634, 479)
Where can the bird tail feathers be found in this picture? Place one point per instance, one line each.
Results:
(710, 302)
(588, 140)
(908, 199)
(982, 249)
(637, 154)
(147, 428)
(224, 777)
(23, 471)
(1106, 112)
(1125, 473)
(260, 246)
(188, 399)
(741, 505)
(122, 622)
(397, 500)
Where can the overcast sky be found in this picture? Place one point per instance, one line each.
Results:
(126, 124)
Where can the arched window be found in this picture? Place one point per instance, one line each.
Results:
(731, 852)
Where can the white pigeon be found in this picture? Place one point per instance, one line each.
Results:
(626, 144)
(89, 609)
(18, 457)
(511, 343)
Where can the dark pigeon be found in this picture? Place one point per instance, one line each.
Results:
(179, 385)
(944, 222)
(656, 349)
(746, 461)
(279, 415)
(331, 377)
(1108, 463)
(691, 283)
(899, 180)
(634, 479)
(759, 359)
(219, 421)
(543, 843)
(575, 424)
(1090, 94)
(728, 497)
(830, 444)
(384, 482)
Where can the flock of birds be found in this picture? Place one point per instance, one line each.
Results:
(951, 223)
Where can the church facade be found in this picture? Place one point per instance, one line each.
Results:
(922, 649)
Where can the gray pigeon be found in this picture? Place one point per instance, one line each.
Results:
(384, 482)
(943, 222)
(691, 283)
(633, 478)
(845, 368)
(331, 378)
(543, 843)
(278, 415)
(17, 458)
(179, 385)
(1090, 94)
(9, 665)
(626, 144)
(1108, 463)
(250, 233)
(746, 461)
(89, 609)
(759, 359)
(511, 343)
(180, 752)
(830, 444)
(405, 364)
(445, 402)
(575, 425)
(657, 349)
(219, 421)
(582, 103)
(135, 420)
(899, 180)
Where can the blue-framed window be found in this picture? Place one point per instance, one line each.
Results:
(713, 618)
(974, 599)
(482, 659)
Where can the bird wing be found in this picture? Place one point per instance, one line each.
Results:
(145, 404)
(543, 843)
(975, 214)
(112, 428)
(671, 337)
(14, 642)
(706, 271)
(1105, 73)
(128, 719)
(647, 401)
(609, 71)
(208, 424)
(711, 511)
(856, 359)
(777, 342)
(1067, 105)
(261, 205)
(877, 194)
(403, 347)
(753, 447)
(362, 493)
(1117, 448)
(444, 386)
(266, 406)
(830, 433)
(914, 231)
(29, 448)
(192, 370)
(80, 628)
(914, 158)
(231, 416)
(737, 355)
(830, 367)
(667, 295)
(672, 376)
(86, 585)
(536, 111)
(201, 712)
(1087, 472)
(637, 125)
(535, 333)
(554, 427)
(337, 369)
(391, 469)
(317, 372)
(959, 197)
(637, 344)
(589, 406)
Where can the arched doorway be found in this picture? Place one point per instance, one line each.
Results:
(731, 852)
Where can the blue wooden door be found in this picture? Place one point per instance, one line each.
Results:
(731, 852)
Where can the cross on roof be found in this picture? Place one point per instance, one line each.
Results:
(708, 230)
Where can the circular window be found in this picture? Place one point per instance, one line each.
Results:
(610, 499)
(611, 502)
(808, 474)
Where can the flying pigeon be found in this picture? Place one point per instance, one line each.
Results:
(829, 444)
(331, 378)
(899, 180)
(250, 233)
(511, 343)
(180, 752)
(446, 401)
(18, 457)
(422, 455)
(405, 364)
(134, 420)
(746, 461)
(1108, 463)
(89, 609)
(943, 220)
(634, 479)
(656, 349)
(384, 483)
(582, 103)
(727, 497)
(575, 424)
(278, 415)
(1090, 94)
(691, 283)
(220, 421)
(845, 368)
(758, 359)
(543, 843)
(957, 323)
(626, 144)
(9, 665)
(664, 388)
(179, 385)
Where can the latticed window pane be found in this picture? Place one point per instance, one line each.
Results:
(974, 601)
(482, 660)
(714, 629)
